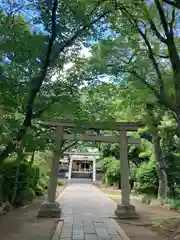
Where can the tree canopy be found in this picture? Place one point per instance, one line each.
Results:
(130, 72)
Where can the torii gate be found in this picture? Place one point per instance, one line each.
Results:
(51, 208)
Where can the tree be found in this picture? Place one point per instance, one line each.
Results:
(127, 103)
(62, 32)
(146, 54)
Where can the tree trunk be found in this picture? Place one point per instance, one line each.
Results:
(16, 181)
(162, 175)
(178, 124)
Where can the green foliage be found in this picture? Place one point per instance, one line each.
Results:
(112, 174)
(60, 183)
(29, 194)
(131, 61)
(39, 191)
(27, 182)
(173, 204)
(104, 163)
(146, 178)
(111, 168)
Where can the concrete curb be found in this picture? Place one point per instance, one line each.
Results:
(120, 231)
(57, 231)
(60, 195)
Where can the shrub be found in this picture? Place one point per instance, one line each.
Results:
(147, 179)
(27, 181)
(60, 183)
(104, 163)
(173, 204)
(39, 191)
(113, 173)
(29, 194)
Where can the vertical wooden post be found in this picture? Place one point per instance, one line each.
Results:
(94, 170)
(124, 169)
(51, 208)
(70, 169)
(125, 210)
(55, 165)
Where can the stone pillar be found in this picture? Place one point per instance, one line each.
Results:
(94, 170)
(125, 210)
(70, 169)
(51, 208)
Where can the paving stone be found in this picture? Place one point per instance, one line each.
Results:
(89, 230)
(68, 220)
(86, 212)
(109, 224)
(66, 235)
(91, 237)
(98, 221)
(78, 226)
(78, 232)
(87, 222)
(67, 226)
(102, 233)
(99, 225)
(112, 231)
(78, 237)
(67, 230)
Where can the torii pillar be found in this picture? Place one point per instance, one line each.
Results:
(51, 208)
(125, 210)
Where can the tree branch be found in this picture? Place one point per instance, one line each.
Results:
(172, 21)
(69, 146)
(153, 27)
(163, 56)
(134, 22)
(163, 18)
(160, 98)
(39, 112)
(38, 83)
(34, 90)
(78, 32)
(175, 4)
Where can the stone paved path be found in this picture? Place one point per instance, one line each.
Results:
(86, 213)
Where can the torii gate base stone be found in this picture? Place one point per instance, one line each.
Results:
(125, 210)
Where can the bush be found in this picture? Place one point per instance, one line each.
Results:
(113, 173)
(39, 191)
(60, 183)
(43, 181)
(27, 181)
(29, 194)
(173, 204)
(104, 163)
(147, 179)
(111, 166)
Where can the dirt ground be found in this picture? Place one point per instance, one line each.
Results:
(154, 222)
(22, 223)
